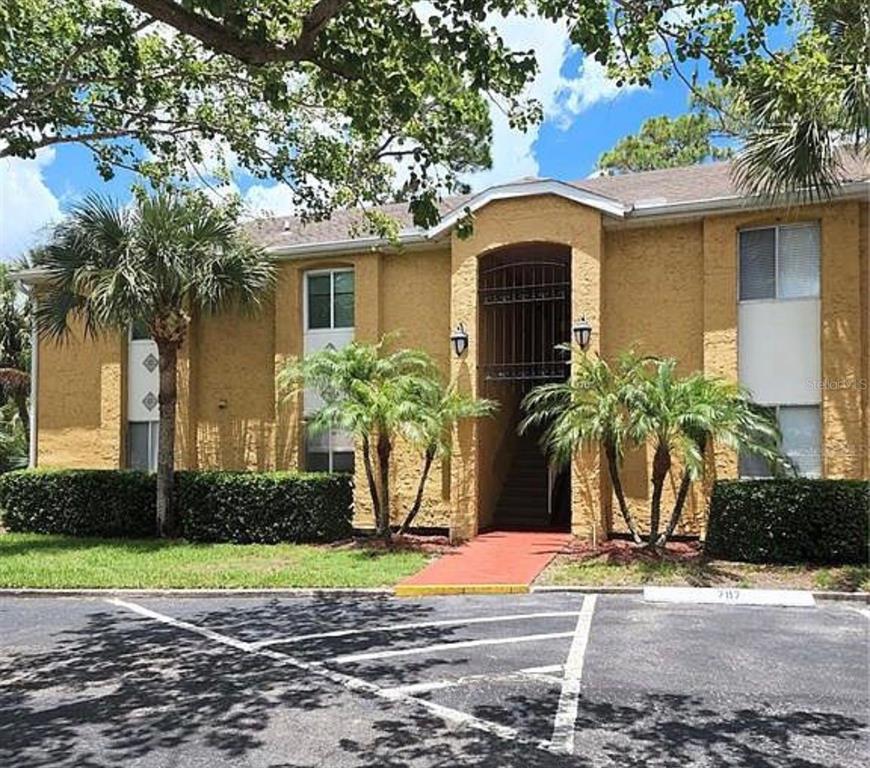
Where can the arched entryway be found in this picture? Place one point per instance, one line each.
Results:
(524, 306)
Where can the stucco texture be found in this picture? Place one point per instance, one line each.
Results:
(665, 289)
(81, 399)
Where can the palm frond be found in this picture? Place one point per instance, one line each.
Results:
(152, 261)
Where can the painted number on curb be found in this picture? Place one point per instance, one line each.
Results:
(729, 595)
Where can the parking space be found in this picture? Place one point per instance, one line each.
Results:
(531, 680)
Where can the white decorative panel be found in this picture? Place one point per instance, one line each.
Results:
(779, 354)
(143, 381)
(319, 339)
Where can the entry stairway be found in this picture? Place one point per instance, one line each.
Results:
(522, 504)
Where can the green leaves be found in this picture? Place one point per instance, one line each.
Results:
(349, 102)
(640, 402)
(365, 389)
(794, 99)
(665, 142)
(153, 262)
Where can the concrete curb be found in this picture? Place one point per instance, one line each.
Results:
(849, 597)
(253, 592)
(846, 597)
(602, 590)
(398, 591)
(428, 590)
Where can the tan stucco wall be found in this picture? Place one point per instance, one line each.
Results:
(864, 246)
(654, 303)
(664, 289)
(81, 399)
(235, 391)
(414, 301)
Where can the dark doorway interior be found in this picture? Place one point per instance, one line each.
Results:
(525, 313)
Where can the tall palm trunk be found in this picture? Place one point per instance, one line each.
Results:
(418, 499)
(680, 501)
(677, 511)
(167, 522)
(370, 478)
(385, 449)
(616, 480)
(661, 467)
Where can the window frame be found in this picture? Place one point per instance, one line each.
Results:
(332, 272)
(816, 223)
(776, 409)
(329, 452)
(153, 446)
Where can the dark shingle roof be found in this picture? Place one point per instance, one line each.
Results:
(692, 183)
(290, 230)
(696, 183)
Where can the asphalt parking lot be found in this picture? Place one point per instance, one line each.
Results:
(521, 680)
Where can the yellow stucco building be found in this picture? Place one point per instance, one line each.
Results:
(672, 263)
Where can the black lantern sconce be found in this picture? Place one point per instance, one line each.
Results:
(582, 332)
(459, 340)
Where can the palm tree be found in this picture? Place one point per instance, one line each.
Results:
(682, 417)
(14, 349)
(13, 439)
(644, 402)
(370, 393)
(156, 262)
(587, 410)
(804, 106)
(440, 408)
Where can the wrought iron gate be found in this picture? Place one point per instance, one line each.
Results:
(525, 310)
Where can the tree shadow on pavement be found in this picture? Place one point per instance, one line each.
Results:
(119, 690)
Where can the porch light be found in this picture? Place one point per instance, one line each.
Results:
(582, 331)
(459, 339)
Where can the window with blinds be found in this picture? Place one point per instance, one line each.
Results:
(780, 262)
(801, 442)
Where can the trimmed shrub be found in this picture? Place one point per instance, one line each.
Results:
(240, 507)
(247, 507)
(80, 502)
(789, 521)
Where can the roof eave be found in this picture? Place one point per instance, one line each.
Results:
(736, 203)
(406, 239)
(528, 189)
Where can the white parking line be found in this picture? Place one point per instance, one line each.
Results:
(566, 713)
(352, 657)
(416, 625)
(346, 681)
(542, 674)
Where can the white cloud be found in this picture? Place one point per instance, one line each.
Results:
(590, 86)
(27, 205)
(275, 200)
(562, 96)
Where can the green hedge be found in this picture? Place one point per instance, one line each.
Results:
(789, 521)
(247, 507)
(240, 507)
(79, 502)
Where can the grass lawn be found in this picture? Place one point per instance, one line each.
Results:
(35, 560)
(619, 564)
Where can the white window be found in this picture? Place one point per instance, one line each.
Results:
(780, 262)
(801, 428)
(330, 451)
(142, 445)
(329, 299)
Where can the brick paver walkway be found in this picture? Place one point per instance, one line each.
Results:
(500, 561)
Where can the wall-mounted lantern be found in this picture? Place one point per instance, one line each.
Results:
(459, 340)
(582, 332)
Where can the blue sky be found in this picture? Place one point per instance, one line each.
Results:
(585, 114)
